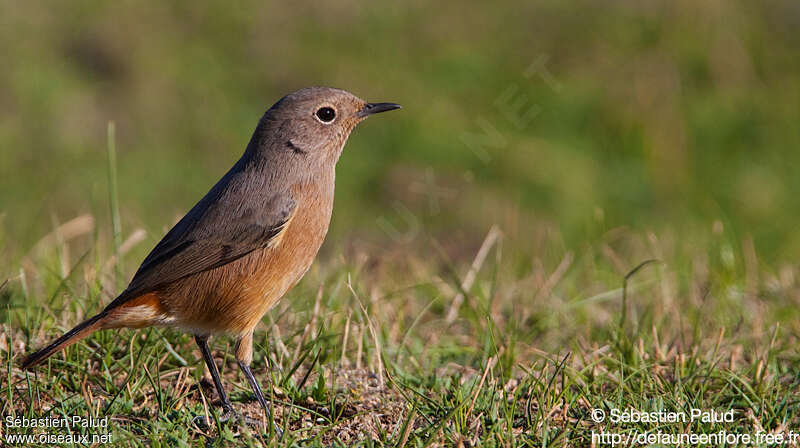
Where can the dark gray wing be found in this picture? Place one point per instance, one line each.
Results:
(223, 227)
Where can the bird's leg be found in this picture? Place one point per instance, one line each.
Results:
(202, 342)
(244, 356)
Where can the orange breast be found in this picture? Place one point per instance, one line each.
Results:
(233, 298)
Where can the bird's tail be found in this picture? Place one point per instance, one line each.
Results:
(72, 336)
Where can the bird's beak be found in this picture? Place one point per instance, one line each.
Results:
(374, 108)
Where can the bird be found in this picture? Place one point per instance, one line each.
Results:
(248, 241)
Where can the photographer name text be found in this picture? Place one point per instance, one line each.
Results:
(630, 415)
(75, 421)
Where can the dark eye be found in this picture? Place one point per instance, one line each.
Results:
(326, 114)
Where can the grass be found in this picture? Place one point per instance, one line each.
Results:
(534, 347)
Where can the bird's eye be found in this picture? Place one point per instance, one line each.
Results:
(326, 114)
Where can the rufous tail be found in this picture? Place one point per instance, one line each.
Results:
(72, 336)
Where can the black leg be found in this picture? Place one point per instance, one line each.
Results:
(202, 342)
(260, 396)
(256, 388)
(244, 355)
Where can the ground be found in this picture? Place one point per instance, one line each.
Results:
(402, 351)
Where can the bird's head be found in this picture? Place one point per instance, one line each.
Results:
(312, 124)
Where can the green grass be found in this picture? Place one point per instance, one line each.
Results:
(538, 343)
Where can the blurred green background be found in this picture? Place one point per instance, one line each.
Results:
(584, 115)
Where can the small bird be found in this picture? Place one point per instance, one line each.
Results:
(248, 241)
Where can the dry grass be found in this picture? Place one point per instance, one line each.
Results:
(514, 344)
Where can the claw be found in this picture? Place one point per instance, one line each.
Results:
(202, 422)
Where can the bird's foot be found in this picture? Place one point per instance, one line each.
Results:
(203, 421)
(230, 415)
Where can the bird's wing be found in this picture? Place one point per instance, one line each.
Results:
(212, 234)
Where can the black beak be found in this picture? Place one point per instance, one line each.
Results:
(374, 108)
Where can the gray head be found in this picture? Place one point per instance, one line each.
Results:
(307, 129)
